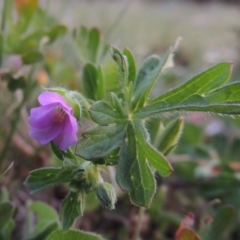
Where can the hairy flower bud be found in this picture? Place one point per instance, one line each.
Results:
(106, 194)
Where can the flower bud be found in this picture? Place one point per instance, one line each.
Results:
(106, 194)
(73, 98)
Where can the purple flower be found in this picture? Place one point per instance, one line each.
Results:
(53, 121)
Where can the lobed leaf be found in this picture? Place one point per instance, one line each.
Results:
(99, 141)
(103, 114)
(199, 94)
(147, 76)
(156, 159)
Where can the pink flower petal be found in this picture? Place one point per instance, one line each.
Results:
(68, 136)
(42, 117)
(46, 135)
(46, 98)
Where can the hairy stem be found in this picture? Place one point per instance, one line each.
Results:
(139, 224)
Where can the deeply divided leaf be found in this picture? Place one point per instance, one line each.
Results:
(99, 141)
(103, 114)
(199, 94)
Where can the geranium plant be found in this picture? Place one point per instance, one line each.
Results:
(119, 135)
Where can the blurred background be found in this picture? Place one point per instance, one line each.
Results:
(42, 44)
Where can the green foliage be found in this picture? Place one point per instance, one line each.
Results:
(72, 207)
(45, 177)
(47, 221)
(72, 234)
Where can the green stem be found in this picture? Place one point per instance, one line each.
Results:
(4, 14)
(139, 223)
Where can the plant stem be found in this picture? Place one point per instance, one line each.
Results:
(3, 20)
(139, 223)
(16, 119)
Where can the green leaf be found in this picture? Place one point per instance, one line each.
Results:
(122, 64)
(131, 65)
(133, 172)
(117, 105)
(47, 221)
(99, 141)
(127, 158)
(222, 221)
(6, 213)
(156, 159)
(143, 181)
(169, 136)
(7, 230)
(103, 114)
(71, 207)
(93, 44)
(89, 80)
(56, 32)
(199, 94)
(31, 57)
(100, 84)
(44, 177)
(59, 153)
(147, 76)
(73, 234)
(45, 232)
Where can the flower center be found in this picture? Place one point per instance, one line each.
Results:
(59, 115)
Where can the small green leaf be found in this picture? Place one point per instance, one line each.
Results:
(44, 177)
(93, 44)
(57, 151)
(116, 103)
(89, 81)
(31, 57)
(6, 212)
(73, 234)
(99, 141)
(56, 32)
(131, 65)
(169, 136)
(100, 84)
(70, 209)
(122, 64)
(103, 114)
